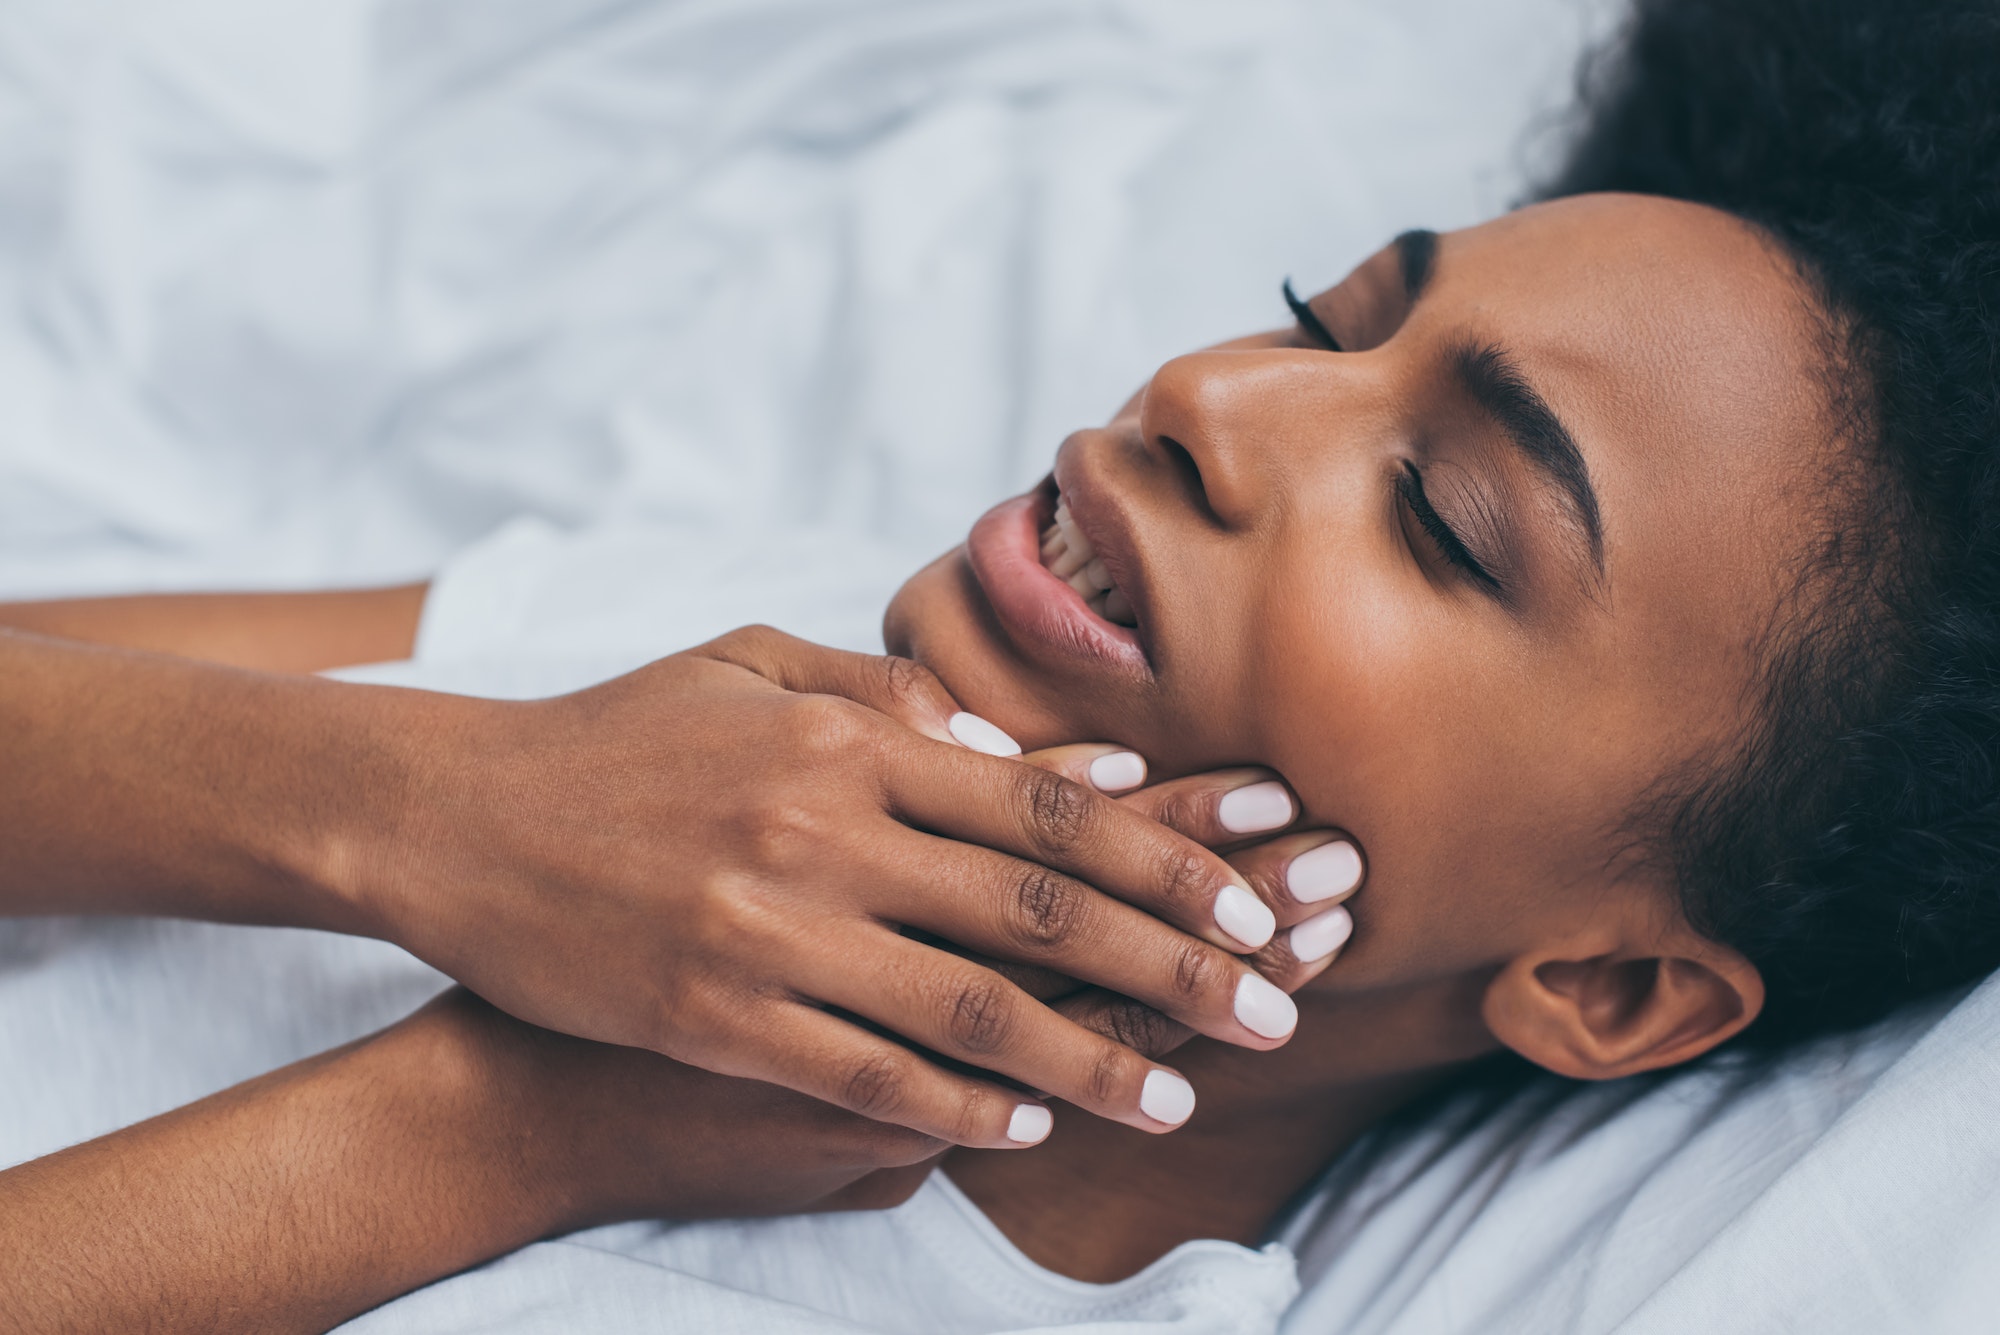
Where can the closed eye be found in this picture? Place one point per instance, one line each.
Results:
(1314, 328)
(1410, 487)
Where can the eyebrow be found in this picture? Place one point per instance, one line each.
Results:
(1416, 249)
(1496, 384)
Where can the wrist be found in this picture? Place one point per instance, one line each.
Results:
(369, 842)
(500, 1080)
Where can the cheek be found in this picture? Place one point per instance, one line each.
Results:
(1397, 722)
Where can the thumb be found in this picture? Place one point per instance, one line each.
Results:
(902, 688)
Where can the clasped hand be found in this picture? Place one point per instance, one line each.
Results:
(773, 860)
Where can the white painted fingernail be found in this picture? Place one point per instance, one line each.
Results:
(1323, 872)
(1321, 935)
(1255, 808)
(975, 732)
(1165, 1097)
(1117, 772)
(1263, 1009)
(1245, 917)
(1030, 1123)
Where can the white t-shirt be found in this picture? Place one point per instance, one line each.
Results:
(933, 1266)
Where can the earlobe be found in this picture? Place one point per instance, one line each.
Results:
(1597, 1011)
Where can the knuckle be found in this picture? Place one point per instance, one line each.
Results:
(876, 1086)
(827, 727)
(781, 834)
(1058, 811)
(980, 1018)
(1046, 908)
(1138, 1027)
(1184, 879)
(969, 1120)
(1198, 973)
(1110, 1072)
(906, 680)
(1181, 812)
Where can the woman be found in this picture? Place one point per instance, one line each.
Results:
(1620, 573)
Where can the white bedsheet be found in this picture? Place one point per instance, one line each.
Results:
(301, 291)
(312, 291)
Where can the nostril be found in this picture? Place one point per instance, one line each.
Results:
(1189, 472)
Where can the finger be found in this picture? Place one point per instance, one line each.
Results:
(1042, 817)
(1123, 1020)
(843, 1064)
(1301, 875)
(1220, 808)
(901, 688)
(1293, 959)
(957, 1009)
(1305, 950)
(1099, 765)
(1040, 983)
(1022, 911)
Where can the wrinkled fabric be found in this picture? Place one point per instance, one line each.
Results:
(299, 292)
(714, 312)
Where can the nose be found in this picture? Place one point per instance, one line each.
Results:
(1235, 416)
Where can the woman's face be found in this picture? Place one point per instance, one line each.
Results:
(1474, 584)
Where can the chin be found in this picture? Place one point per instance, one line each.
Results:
(939, 619)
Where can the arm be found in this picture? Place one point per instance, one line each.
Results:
(712, 857)
(273, 632)
(141, 783)
(305, 1197)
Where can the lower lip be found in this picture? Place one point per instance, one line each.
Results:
(1039, 611)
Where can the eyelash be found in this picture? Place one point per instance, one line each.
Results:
(1410, 487)
(1315, 329)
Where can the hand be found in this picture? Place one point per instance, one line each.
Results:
(714, 855)
(1306, 875)
(306, 1196)
(604, 1134)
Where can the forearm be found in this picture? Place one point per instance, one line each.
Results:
(142, 783)
(292, 1202)
(272, 632)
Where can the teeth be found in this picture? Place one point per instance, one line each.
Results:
(1076, 550)
(1066, 552)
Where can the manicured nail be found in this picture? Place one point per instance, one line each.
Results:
(975, 732)
(1323, 872)
(1321, 935)
(1030, 1123)
(1263, 1009)
(1245, 917)
(1165, 1097)
(1255, 808)
(1117, 772)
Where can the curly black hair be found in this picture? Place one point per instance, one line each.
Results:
(1849, 847)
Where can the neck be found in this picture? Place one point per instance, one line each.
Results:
(1099, 1201)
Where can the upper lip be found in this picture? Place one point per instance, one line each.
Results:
(1107, 526)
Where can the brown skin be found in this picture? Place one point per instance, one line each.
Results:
(1485, 752)
(298, 1200)
(271, 632)
(1486, 755)
(696, 858)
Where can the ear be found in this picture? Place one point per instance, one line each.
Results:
(1621, 998)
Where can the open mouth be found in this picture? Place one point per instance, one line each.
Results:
(1068, 555)
(1054, 595)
